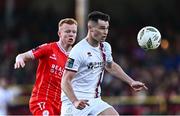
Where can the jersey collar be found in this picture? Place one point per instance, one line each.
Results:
(61, 48)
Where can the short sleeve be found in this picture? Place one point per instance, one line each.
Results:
(41, 50)
(108, 52)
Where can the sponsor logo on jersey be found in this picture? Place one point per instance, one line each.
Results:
(55, 69)
(70, 63)
(94, 65)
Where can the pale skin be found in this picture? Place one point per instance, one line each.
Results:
(97, 32)
(67, 36)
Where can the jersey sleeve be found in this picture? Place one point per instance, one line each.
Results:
(74, 60)
(41, 50)
(108, 52)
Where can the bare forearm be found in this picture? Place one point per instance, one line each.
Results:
(117, 71)
(68, 90)
(26, 56)
(22, 58)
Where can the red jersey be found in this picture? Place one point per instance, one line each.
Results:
(52, 59)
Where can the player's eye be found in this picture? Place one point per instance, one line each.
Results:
(104, 28)
(74, 31)
(68, 31)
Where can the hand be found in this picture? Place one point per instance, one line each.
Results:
(19, 62)
(80, 104)
(138, 86)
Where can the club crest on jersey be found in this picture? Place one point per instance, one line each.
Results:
(70, 63)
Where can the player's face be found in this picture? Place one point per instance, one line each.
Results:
(68, 33)
(100, 30)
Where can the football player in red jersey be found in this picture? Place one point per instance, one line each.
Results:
(46, 94)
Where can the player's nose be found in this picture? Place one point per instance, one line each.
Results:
(72, 34)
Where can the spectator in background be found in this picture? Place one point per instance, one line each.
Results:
(7, 95)
(45, 97)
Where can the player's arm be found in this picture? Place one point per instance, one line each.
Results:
(36, 53)
(114, 69)
(68, 90)
(66, 85)
(22, 58)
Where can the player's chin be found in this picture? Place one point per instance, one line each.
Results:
(70, 42)
(103, 40)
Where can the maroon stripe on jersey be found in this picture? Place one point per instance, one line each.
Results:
(98, 84)
(101, 74)
(103, 54)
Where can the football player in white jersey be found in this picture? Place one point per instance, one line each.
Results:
(85, 68)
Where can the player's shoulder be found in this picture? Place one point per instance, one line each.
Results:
(79, 48)
(48, 46)
(39, 47)
(52, 43)
(106, 43)
(80, 45)
(107, 46)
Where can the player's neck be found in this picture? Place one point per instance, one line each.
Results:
(92, 41)
(66, 47)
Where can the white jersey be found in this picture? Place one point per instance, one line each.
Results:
(88, 62)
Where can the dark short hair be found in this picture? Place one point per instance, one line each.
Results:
(96, 15)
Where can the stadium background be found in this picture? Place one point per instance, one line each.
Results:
(25, 24)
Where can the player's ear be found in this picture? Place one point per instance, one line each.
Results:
(90, 26)
(59, 33)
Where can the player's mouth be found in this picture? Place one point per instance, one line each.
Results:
(70, 39)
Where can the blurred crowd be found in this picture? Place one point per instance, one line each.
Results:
(159, 69)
